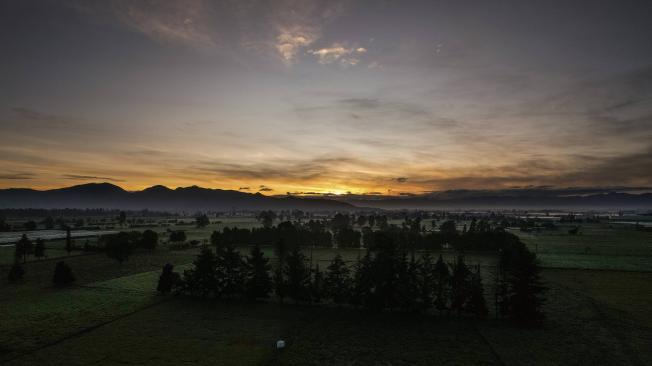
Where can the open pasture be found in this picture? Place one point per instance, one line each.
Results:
(596, 246)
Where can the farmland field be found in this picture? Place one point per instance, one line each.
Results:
(598, 312)
(597, 246)
(113, 315)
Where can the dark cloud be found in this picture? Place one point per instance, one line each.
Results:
(401, 179)
(37, 119)
(89, 177)
(244, 188)
(17, 176)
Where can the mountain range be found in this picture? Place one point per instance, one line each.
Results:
(161, 198)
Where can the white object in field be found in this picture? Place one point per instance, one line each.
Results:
(280, 344)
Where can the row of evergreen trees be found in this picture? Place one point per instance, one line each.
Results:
(387, 277)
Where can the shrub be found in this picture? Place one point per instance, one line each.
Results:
(168, 279)
(149, 239)
(118, 246)
(62, 274)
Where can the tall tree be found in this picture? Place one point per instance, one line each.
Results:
(477, 304)
(201, 279)
(230, 272)
(258, 282)
(460, 285)
(525, 291)
(23, 247)
(337, 283)
(426, 282)
(297, 276)
(442, 274)
(317, 285)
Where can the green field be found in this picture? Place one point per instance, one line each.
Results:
(598, 246)
(113, 316)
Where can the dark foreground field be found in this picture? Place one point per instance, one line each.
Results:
(113, 316)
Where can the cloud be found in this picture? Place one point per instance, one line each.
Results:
(291, 40)
(244, 188)
(285, 28)
(187, 22)
(338, 53)
(264, 188)
(17, 176)
(89, 177)
(38, 119)
(401, 179)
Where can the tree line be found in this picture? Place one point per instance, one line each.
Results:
(389, 276)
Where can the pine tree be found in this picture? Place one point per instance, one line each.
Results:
(230, 272)
(337, 284)
(317, 285)
(297, 276)
(525, 291)
(23, 247)
(460, 285)
(477, 304)
(258, 282)
(201, 280)
(408, 283)
(280, 284)
(426, 282)
(442, 276)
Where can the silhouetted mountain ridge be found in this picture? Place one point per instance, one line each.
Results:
(110, 196)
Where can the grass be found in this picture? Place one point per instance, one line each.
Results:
(599, 246)
(594, 317)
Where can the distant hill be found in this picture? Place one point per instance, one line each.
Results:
(109, 196)
(565, 199)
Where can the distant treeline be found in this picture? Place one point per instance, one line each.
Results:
(339, 231)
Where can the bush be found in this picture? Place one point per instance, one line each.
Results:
(119, 246)
(16, 273)
(177, 236)
(168, 279)
(149, 239)
(63, 274)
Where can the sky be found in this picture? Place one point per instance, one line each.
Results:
(306, 96)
